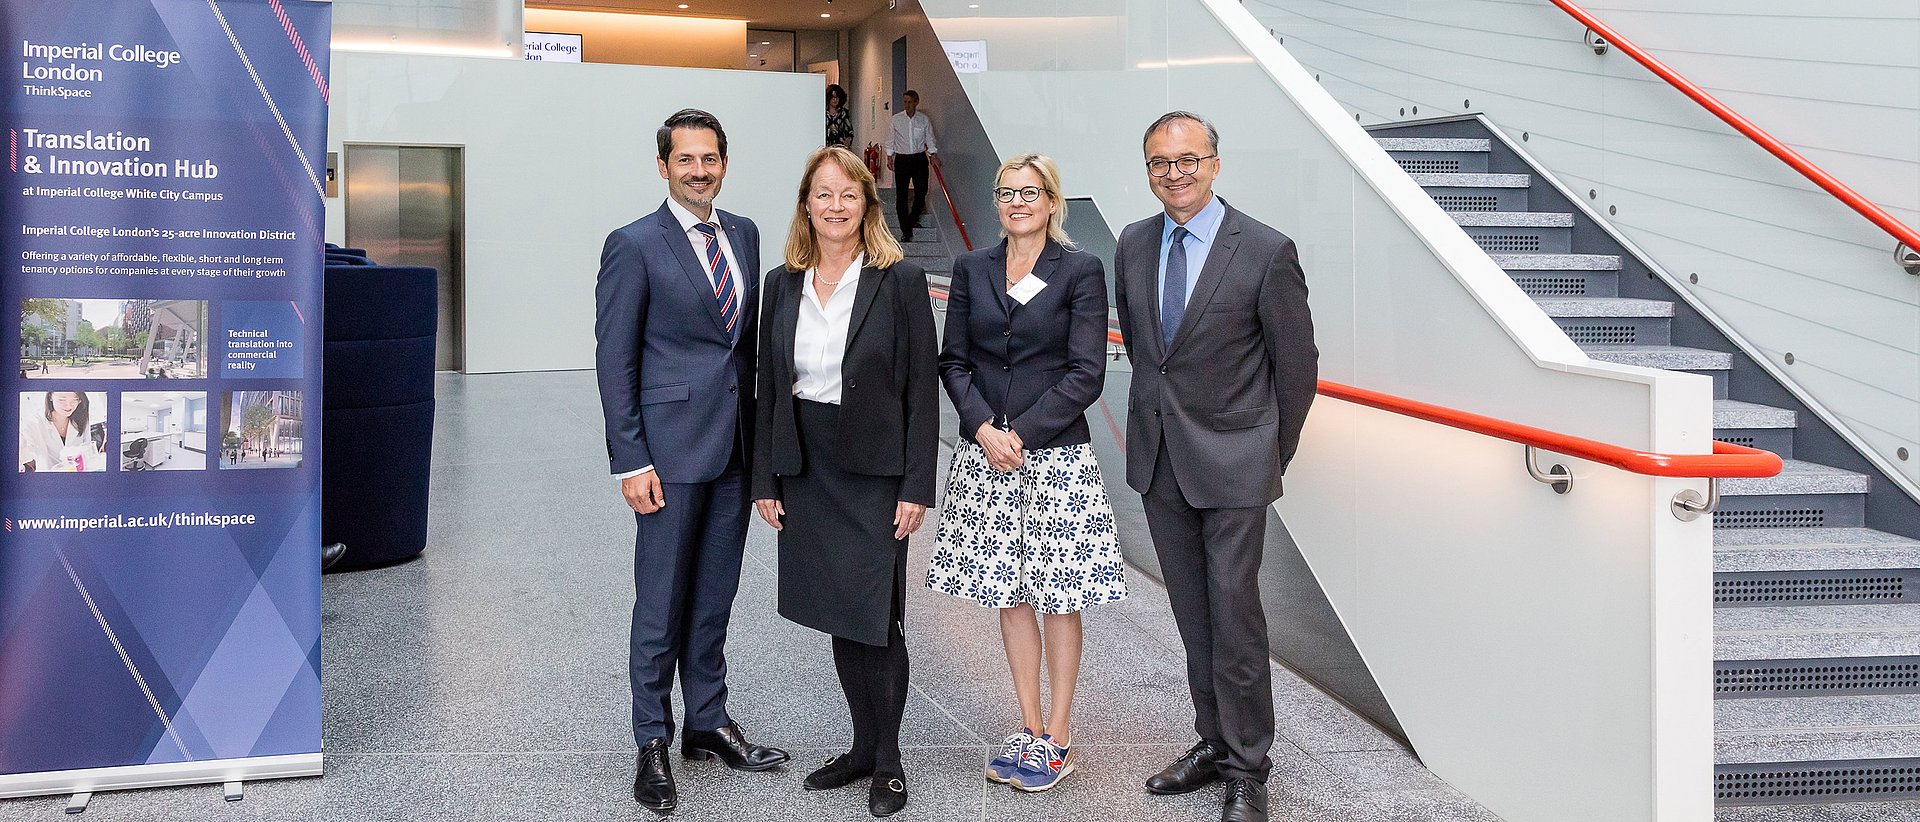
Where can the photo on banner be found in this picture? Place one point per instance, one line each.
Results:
(63, 432)
(125, 339)
(163, 431)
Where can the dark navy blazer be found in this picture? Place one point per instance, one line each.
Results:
(1037, 366)
(676, 389)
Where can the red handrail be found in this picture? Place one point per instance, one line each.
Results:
(1819, 176)
(950, 207)
(1727, 459)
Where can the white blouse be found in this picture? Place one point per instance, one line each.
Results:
(820, 339)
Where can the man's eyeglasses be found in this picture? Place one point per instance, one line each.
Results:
(1026, 195)
(1187, 165)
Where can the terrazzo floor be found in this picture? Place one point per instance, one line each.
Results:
(487, 680)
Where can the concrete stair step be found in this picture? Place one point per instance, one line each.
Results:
(1472, 180)
(1812, 549)
(1736, 414)
(1816, 632)
(1512, 219)
(1557, 262)
(1434, 144)
(1818, 714)
(1798, 477)
(1812, 729)
(1671, 357)
(924, 248)
(1604, 307)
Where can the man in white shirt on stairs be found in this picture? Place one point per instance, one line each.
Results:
(910, 148)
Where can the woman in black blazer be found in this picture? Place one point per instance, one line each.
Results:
(847, 436)
(1027, 527)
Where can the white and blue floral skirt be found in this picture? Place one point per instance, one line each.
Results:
(1040, 535)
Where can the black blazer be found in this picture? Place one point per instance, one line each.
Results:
(1038, 366)
(889, 398)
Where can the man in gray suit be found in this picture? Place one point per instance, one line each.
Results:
(1213, 306)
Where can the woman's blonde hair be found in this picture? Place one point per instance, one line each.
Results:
(1049, 182)
(803, 249)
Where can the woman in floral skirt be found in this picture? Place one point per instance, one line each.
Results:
(1027, 528)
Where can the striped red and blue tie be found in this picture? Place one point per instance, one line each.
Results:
(722, 280)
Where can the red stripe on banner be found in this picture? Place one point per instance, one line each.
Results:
(313, 69)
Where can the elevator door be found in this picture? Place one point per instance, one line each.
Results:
(404, 205)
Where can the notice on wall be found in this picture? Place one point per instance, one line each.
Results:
(551, 47)
(967, 56)
(160, 263)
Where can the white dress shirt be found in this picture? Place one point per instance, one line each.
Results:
(699, 242)
(820, 338)
(911, 135)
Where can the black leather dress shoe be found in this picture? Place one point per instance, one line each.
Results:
(887, 795)
(331, 553)
(653, 780)
(839, 772)
(732, 747)
(1195, 769)
(1246, 801)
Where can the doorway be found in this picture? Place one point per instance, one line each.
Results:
(406, 206)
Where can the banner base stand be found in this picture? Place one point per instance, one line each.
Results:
(85, 782)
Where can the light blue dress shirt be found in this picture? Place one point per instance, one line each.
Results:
(1201, 231)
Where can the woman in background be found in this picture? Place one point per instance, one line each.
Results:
(839, 120)
(1027, 527)
(847, 436)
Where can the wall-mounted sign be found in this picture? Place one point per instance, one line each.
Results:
(553, 48)
(967, 56)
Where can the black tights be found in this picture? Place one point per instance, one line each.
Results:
(874, 679)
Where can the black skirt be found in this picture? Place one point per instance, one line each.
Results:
(841, 570)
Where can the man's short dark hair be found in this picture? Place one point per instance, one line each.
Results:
(1213, 135)
(689, 118)
(914, 94)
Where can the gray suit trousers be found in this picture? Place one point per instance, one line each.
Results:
(1210, 559)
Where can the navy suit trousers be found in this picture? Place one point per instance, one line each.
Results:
(686, 570)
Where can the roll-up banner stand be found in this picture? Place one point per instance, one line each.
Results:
(160, 261)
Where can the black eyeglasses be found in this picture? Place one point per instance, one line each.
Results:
(1187, 165)
(1027, 194)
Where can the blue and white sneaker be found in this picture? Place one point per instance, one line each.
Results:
(1043, 766)
(1002, 767)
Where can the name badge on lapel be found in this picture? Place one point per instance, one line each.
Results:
(1023, 291)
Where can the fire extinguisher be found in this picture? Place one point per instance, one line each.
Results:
(873, 158)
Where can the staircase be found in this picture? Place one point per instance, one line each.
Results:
(1817, 615)
(928, 249)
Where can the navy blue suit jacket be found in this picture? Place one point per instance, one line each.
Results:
(1039, 365)
(676, 389)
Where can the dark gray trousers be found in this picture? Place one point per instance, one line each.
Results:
(1210, 559)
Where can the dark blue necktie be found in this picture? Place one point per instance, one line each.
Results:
(722, 279)
(1173, 296)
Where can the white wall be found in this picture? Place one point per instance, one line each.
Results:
(557, 155)
(1548, 655)
(1788, 267)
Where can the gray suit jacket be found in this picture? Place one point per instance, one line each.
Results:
(1231, 393)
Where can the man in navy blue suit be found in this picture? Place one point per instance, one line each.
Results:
(676, 310)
